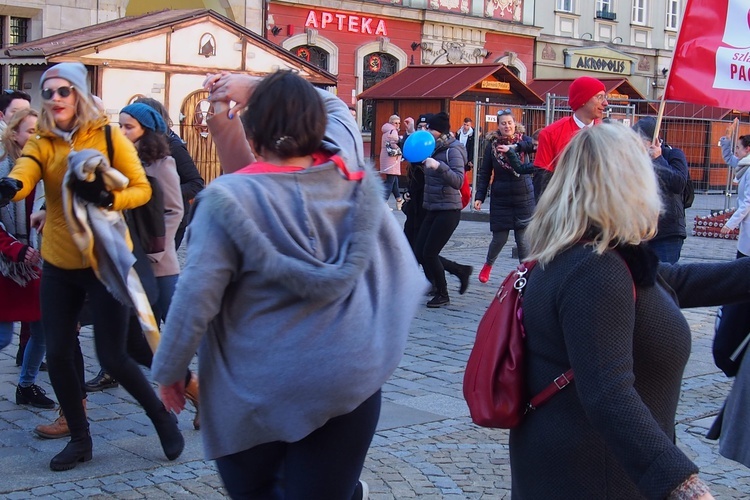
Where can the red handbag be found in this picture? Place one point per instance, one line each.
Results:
(465, 192)
(494, 380)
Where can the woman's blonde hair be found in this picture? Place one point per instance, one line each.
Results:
(604, 189)
(87, 113)
(12, 148)
(393, 118)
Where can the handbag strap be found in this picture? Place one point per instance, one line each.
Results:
(557, 385)
(562, 381)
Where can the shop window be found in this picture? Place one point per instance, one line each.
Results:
(312, 54)
(377, 66)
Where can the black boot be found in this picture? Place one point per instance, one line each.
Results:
(464, 274)
(77, 450)
(33, 395)
(439, 300)
(172, 442)
(102, 381)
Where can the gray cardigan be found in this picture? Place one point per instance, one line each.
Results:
(300, 289)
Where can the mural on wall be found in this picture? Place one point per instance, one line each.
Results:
(508, 10)
(452, 53)
(458, 6)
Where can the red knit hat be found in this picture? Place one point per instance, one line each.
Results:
(582, 89)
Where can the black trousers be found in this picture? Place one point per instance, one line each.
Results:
(324, 465)
(733, 328)
(62, 295)
(437, 228)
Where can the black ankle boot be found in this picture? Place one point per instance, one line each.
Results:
(172, 442)
(464, 276)
(439, 300)
(77, 450)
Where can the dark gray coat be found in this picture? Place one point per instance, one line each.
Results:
(512, 200)
(672, 170)
(442, 186)
(611, 433)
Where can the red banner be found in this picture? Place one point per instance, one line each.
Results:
(711, 62)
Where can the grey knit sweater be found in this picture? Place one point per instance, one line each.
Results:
(611, 433)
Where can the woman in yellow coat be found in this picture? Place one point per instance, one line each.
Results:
(69, 122)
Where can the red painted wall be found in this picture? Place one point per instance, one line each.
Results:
(500, 43)
(401, 33)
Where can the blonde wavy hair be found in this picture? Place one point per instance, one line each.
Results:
(604, 187)
(87, 113)
(12, 148)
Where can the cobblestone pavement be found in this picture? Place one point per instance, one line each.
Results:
(425, 446)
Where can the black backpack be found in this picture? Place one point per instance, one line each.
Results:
(146, 221)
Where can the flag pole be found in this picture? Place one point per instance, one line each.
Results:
(662, 105)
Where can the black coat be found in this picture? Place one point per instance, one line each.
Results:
(512, 201)
(610, 434)
(672, 170)
(191, 182)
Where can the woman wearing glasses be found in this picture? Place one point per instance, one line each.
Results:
(512, 199)
(70, 121)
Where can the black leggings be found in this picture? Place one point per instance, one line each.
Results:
(62, 295)
(324, 465)
(437, 228)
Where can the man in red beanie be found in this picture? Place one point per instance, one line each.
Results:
(588, 100)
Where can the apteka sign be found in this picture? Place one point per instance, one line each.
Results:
(346, 22)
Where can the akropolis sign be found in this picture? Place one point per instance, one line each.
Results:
(600, 60)
(346, 22)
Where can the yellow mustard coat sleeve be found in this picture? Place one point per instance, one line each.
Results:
(127, 162)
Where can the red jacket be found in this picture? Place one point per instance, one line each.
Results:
(552, 140)
(18, 303)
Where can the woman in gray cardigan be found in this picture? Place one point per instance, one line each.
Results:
(599, 302)
(283, 290)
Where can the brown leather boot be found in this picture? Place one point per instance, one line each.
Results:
(57, 429)
(192, 393)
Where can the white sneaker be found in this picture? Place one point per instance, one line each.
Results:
(365, 490)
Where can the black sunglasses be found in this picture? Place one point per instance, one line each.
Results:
(504, 112)
(64, 91)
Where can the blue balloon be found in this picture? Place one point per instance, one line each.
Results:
(419, 146)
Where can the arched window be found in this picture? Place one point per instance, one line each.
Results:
(377, 66)
(312, 54)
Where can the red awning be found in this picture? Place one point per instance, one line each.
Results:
(445, 82)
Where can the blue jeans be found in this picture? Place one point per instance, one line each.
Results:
(32, 355)
(667, 249)
(391, 186)
(324, 465)
(166, 285)
(6, 334)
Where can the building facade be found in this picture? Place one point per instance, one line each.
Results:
(364, 42)
(611, 38)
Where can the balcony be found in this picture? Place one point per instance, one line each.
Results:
(605, 14)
